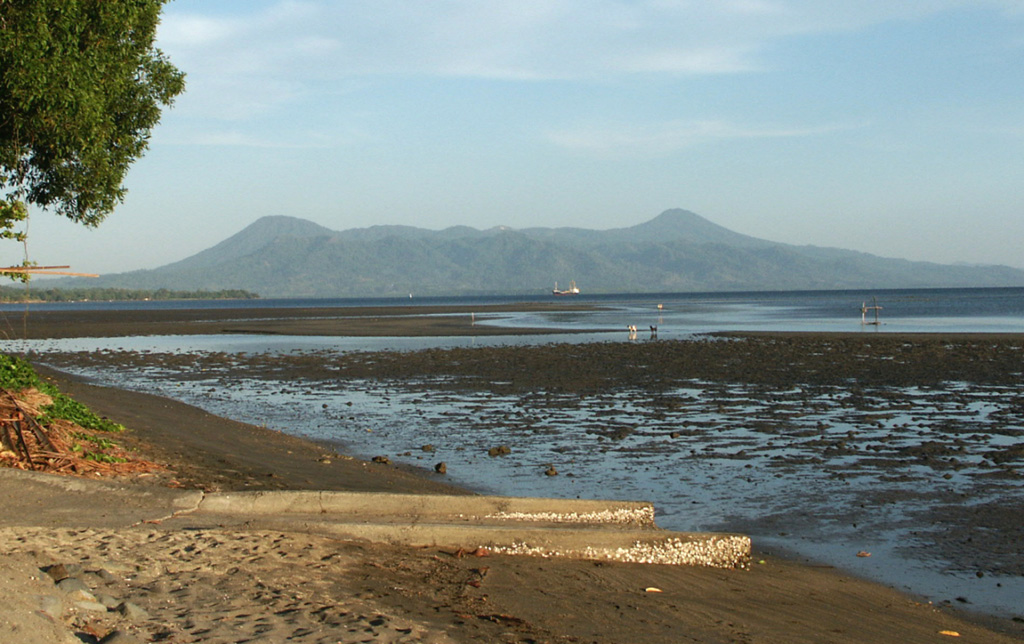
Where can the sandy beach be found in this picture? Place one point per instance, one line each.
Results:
(225, 584)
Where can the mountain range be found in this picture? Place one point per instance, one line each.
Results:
(677, 251)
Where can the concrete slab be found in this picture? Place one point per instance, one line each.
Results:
(434, 507)
(51, 500)
(593, 529)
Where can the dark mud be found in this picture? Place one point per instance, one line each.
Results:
(854, 360)
(309, 321)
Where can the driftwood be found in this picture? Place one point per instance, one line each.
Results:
(43, 270)
(14, 423)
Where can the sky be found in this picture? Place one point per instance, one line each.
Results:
(894, 128)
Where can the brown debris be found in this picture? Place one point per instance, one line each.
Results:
(56, 447)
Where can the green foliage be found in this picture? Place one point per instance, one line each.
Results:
(81, 87)
(13, 294)
(16, 374)
(70, 409)
(83, 440)
(12, 213)
(99, 441)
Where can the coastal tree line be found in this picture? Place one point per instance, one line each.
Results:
(20, 294)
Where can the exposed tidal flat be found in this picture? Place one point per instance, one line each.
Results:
(907, 447)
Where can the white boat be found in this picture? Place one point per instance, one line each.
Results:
(572, 290)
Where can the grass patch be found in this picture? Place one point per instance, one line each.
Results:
(66, 408)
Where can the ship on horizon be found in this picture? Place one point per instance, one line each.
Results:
(572, 290)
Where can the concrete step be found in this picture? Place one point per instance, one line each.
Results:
(592, 529)
(449, 508)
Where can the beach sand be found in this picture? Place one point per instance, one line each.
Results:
(218, 584)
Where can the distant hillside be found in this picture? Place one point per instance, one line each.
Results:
(251, 240)
(676, 251)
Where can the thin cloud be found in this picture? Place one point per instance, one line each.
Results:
(661, 139)
(244, 66)
(529, 39)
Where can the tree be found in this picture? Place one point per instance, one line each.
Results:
(81, 87)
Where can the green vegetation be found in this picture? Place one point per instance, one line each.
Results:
(81, 87)
(99, 441)
(12, 213)
(70, 409)
(16, 294)
(17, 375)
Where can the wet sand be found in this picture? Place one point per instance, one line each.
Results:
(425, 595)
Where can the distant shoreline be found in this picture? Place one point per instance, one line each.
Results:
(337, 321)
(36, 294)
(379, 321)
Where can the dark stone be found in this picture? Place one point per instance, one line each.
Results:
(57, 572)
(132, 611)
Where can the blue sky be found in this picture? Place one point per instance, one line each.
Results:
(895, 128)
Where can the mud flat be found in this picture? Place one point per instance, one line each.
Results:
(936, 420)
(313, 588)
(348, 321)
